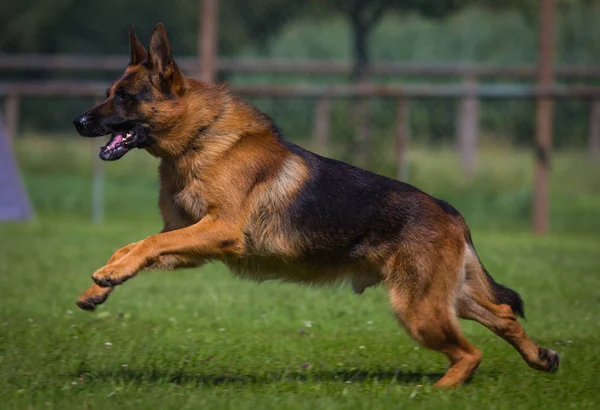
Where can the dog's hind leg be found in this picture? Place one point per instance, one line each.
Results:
(423, 297)
(432, 324)
(478, 300)
(500, 319)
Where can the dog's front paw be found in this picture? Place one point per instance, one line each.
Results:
(111, 275)
(93, 296)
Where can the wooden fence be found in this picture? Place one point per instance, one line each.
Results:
(74, 62)
(467, 94)
(467, 88)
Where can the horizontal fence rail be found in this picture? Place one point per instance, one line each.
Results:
(503, 91)
(45, 62)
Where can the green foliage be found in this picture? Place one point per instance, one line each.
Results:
(95, 27)
(369, 12)
(476, 34)
(253, 22)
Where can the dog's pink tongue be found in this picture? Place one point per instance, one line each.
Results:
(117, 139)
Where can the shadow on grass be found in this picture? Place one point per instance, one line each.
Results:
(186, 377)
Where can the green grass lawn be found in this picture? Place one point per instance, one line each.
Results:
(202, 338)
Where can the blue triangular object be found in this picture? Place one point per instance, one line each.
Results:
(14, 204)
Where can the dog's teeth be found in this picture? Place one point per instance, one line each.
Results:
(129, 134)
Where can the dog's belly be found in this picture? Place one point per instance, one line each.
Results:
(261, 268)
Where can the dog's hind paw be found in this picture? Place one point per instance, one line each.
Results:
(550, 358)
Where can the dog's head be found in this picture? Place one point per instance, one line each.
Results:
(142, 105)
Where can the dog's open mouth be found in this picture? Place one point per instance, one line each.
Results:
(119, 144)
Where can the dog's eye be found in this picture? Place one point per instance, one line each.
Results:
(121, 98)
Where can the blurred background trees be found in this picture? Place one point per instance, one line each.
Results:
(431, 31)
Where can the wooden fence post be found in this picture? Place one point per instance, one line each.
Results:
(594, 130)
(544, 116)
(208, 33)
(467, 127)
(322, 125)
(402, 135)
(11, 116)
(98, 178)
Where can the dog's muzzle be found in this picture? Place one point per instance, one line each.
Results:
(84, 124)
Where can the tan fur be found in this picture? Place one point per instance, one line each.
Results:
(226, 188)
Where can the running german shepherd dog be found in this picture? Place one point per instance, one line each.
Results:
(232, 189)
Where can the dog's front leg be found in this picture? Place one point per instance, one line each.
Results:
(120, 253)
(96, 295)
(207, 239)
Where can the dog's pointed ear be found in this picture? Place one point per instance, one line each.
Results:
(164, 71)
(137, 50)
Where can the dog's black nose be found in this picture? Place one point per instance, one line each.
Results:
(80, 122)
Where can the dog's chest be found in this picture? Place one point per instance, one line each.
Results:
(191, 202)
(184, 192)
